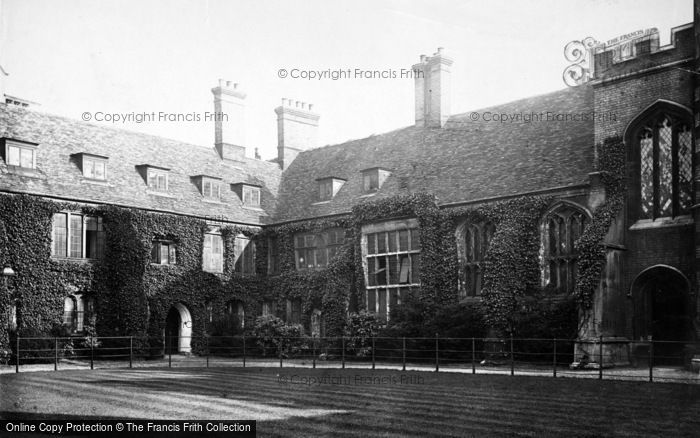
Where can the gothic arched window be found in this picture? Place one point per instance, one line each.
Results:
(665, 145)
(561, 228)
(472, 246)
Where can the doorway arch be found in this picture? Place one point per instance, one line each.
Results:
(661, 310)
(178, 325)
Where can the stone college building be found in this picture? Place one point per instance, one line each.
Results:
(587, 195)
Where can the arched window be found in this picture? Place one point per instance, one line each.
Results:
(665, 147)
(561, 228)
(235, 313)
(473, 243)
(70, 313)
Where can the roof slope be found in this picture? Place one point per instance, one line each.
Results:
(59, 175)
(464, 161)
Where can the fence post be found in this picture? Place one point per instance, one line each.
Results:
(243, 350)
(207, 338)
(473, 356)
(131, 351)
(651, 359)
(512, 358)
(18, 355)
(343, 345)
(437, 354)
(373, 363)
(600, 358)
(170, 351)
(92, 353)
(55, 354)
(313, 341)
(554, 360)
(403, 353)
(280, 356)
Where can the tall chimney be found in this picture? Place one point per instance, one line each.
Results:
(297, 130)
(229, 120)
(432, 85)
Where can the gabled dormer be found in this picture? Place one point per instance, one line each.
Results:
(209, 186)
(248, 193)
(18, 154)
(155, 177)
(328, 187)
(93, 167)
(373, 179)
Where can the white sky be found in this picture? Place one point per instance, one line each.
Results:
(124, 56)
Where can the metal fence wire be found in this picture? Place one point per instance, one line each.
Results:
(599, 358)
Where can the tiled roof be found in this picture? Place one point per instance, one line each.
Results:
(59, 175)
(466, 160)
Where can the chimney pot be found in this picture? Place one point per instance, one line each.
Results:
(422, 58)
(228, 83)
(439, 51)
(296, 130)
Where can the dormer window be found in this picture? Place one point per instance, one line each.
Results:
(249, 194)
(209, 186)
(329, 187)
(93, 166)
(19, 154)
(372, 179)
(157, 178)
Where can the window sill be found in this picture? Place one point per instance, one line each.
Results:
(168, 265)
(25, 171)
(321, 202)
(97, 182)
(368, 195)
(645, 224)
(73, 259)
(212, 201)
(213, 272)
(469, 300)
(250, 207)
(161, 194)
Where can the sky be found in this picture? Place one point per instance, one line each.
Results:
(128, 56)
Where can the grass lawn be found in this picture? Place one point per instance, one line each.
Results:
(364, 403)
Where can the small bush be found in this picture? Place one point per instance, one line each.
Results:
(284, 339)
(359, 330)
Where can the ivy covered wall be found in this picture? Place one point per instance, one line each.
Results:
(133, 296)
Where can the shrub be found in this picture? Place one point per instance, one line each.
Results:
(274, 334)
(359, 330)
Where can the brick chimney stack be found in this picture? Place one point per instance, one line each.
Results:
(297, 130)
(229, 124)
(432, 86)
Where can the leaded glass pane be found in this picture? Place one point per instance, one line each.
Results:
(553, 236)
(665, 169)
(415, 240)
(76, 236)
(469, 239)
(381, 243)
(403, 240)
(646, 144)
(685, 169)
(59, 235)
(392, 241)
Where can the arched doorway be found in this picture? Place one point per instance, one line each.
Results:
(178, 329)
(661, 295)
